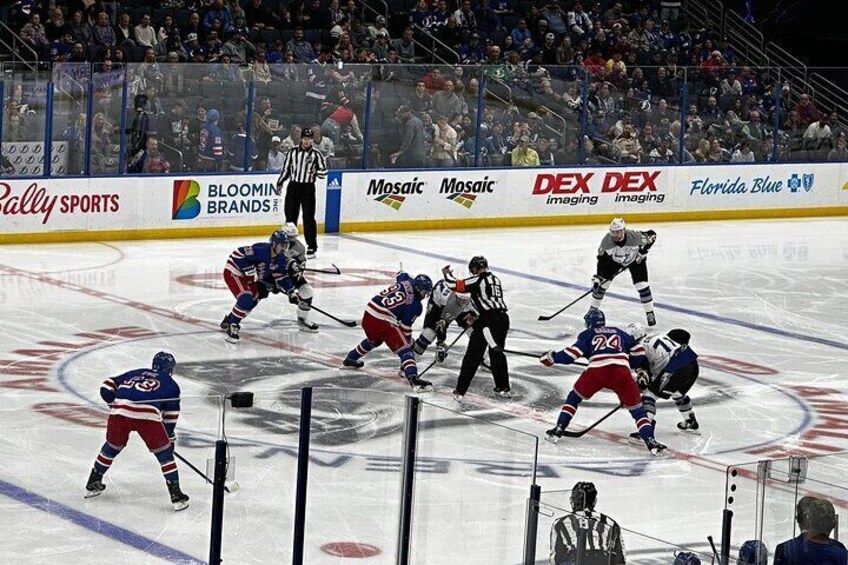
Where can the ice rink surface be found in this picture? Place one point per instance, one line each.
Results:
(764, 301)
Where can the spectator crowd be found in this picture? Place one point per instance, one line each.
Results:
(518, 83)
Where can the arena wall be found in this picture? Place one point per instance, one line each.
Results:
(138, 207)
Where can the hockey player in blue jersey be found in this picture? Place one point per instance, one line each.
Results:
(145, 401)
(610, 352)
(253, 272)
(388, 319)
(668, 371)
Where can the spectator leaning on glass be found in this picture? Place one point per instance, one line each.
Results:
(444, 143)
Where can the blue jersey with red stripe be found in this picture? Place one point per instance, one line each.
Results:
(256, 261)
(144, 394)
(399, 304)
(603, 346)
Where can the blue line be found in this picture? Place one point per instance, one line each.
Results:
(670, 307)
(97, 525)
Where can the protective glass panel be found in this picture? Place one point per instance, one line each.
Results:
(25, 116)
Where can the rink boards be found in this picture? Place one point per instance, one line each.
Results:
(136, 207)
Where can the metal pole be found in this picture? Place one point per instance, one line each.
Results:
(684, 99)
(532, 529)
(726, 524)
(88, 125)
(248, 127)
(217, 530)
(302, 475)
(410, 442)
(778, 88)
(2, 106)
(481, 88)
(583, 119)
(122, 158)
(48, 132)
(366, 135)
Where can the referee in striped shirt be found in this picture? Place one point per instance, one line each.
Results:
(302, 165)
(490, 328)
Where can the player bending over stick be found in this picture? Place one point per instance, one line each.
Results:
(445, 306)
(610, 352)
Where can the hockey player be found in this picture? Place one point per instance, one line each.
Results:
(491, 327)
(584, 533)
(303, 292)
(624, 249)
(668, 370)
(252, 273)
(388, 319)
(145, 401)
(444, 307)
(608, 350)
(686, 558)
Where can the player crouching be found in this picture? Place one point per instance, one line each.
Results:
(388, 319)
(444, 307)
(610, 352)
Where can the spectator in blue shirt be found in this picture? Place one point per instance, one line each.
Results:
(219, 12)
(520, 33)
(816, 519)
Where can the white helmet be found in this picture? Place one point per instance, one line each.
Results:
(637, 330)
(618, 224)
(290, 229)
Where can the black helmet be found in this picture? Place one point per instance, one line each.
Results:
(307, 132)
(478, 262)
(583, 496)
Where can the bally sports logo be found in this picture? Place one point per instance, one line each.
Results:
(571, 189)
(394, 194)
(36, 200)
(465, 192)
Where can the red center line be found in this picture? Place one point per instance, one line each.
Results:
(334, 361)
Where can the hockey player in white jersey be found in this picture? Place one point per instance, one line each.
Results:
(624, 249)
(444, 307)
(303, 293)
(670, 370)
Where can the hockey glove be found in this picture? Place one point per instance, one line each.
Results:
(447, 273)
(643, 379)
(441, 351)
(441, 329)
(294, 297)
(547, 359)
(470, 319)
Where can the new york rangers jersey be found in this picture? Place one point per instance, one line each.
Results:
(603, 346)
(399, 304)
(144, 394)
(256, 261)
(666, 355)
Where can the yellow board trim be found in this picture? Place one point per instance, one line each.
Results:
(705, 215)
(124, 235)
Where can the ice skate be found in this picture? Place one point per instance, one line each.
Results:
(306, 326)
(554, 434)
(233, 333)
(420, 385)
(349, 363)
(655, 447)
(178, 498)
(689, 425)
(502, 392)
(94, 486)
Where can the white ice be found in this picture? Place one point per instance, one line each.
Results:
(764, 301)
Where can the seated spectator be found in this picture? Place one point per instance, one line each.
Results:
(300, 48)
(497, 143)
(816, 519)
(144, 33)
(124, 34)
(276, 157)
(487, 19)
(405, 46)
(438, 17)
(579, 22)
(420, 15)
(807, 111)
(546, 156)
(103, 34)
(730, 85)
(323, 143)
(80, 30)
(840, 152)
(34, 35)
(743, 153)
(149, 160)
(465, 17)
(445, 143)
(378, 27)
(524, 155)
(472, 52)
(717, 154)
(647, 139)
(238, 48)
(702, 152)
(818, 133)
(217, 11)
(520, 32)
(293, 139)
(56, 26)
(628, 147)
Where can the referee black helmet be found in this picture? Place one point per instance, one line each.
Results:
(307, 132)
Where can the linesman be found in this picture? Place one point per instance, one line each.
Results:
(303, 165)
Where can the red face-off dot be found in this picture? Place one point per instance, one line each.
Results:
(350, 549)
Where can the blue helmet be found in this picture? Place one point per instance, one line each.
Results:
(686, 558)
(164, 362)
(753, 552)
(279, 237)
(422, 285)
(594, 318)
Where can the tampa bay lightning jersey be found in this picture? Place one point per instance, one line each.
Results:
(448, 303)
(399, 304)
(624, 252)
(603, 346)
(666, 355)
(256, 260)
(144, 394)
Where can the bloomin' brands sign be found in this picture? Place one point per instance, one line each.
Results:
(191, 197)
(576, 188)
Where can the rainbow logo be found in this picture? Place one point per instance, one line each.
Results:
(185, 205)
(391, 200)
(463, 199)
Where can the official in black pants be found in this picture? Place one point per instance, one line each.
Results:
(492, 325)
(302, 166)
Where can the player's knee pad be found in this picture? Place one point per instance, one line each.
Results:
(420, 345)
(306, 292)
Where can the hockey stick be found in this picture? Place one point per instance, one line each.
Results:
(325, 271)
(434, 361)
(348, 323)
(229, 486)
(715, 551)
(573, 302)
(584, 431)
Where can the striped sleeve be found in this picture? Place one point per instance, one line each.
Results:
(286, 172)
(463, 285)
(107, 390)
(321, 165)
